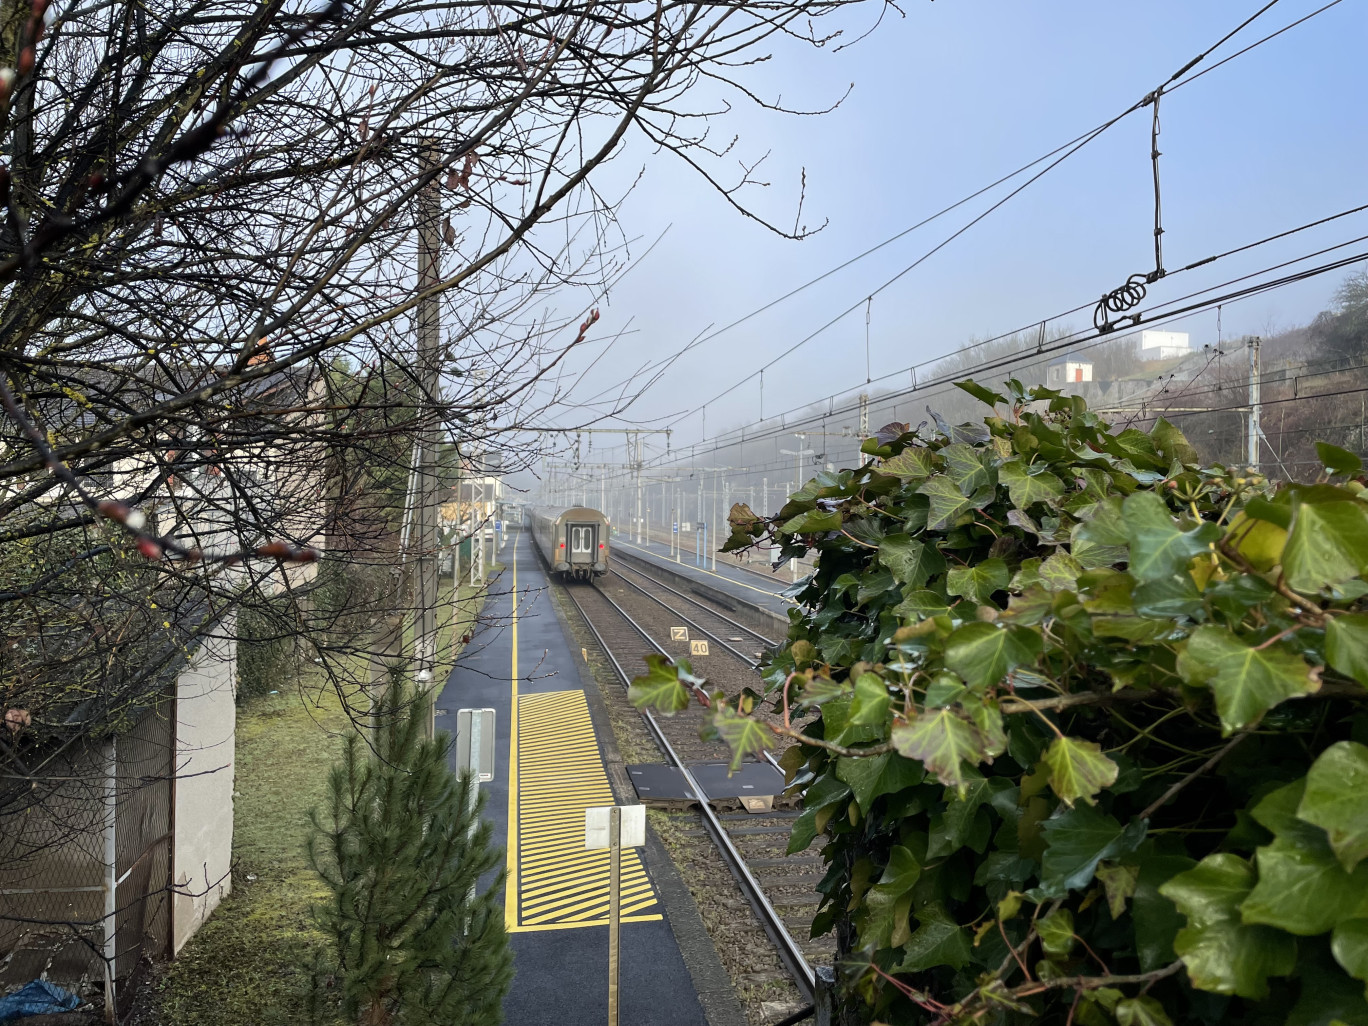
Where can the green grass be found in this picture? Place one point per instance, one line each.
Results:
(250, 962)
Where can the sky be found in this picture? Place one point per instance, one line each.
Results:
(942, 102)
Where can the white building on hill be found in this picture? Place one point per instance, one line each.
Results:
(1164, 345)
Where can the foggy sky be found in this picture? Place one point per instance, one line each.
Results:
(954, 95)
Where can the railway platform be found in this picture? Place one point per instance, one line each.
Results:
(556, 756)
(746, 586)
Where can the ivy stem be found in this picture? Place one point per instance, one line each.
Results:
(1093, 982)
(1013, 951)
(817, 742)
(1203, 768)
(857, 540)
(1278, 637)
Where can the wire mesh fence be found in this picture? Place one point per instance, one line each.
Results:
(1240, 401)
(85, 859)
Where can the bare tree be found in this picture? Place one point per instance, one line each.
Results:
(208, 297)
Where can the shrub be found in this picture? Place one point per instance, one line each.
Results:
(266, 651)
(401, 847)
(1080, 723)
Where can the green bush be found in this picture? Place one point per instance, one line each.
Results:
(348, 597)
(266, 652)
(401, 848)
(1081, 725)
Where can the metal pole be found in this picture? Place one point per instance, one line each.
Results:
(427, 319)
(714, 517)
(111, 885)
(1255, 407)
(614, 908)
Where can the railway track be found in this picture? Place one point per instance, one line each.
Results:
(780, 891)
(706, 617)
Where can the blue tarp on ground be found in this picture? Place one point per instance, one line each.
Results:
(37, 997)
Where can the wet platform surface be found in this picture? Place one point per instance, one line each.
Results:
(553, 744)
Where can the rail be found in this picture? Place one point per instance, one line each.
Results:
(789, 952)
(620, 562)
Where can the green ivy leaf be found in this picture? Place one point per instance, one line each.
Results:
(820, 690)
(962, 807)
(1336, 799)
(1119, 881)
(1349, 944)
(888, 903)
(1327, 543)
(911, 562)
(920, 604)
(1056, 932)
(1173, 443)
(1025, 488)
(943, 741)
(1303, 889)
(947, 502)
(1346, 646)
(872, 776)
(966, 468)
(1337, 460)
(869, 708)
(983, 653)
(743, 735)
(978, 581)
(660, 687)
(814, 521)
(1141, 1011)
(1099, 538)
(1158, 546)
(1060, 572)
(939, 940)
(1076, 840)
(822, 798)
(1078, 769)
(912, 464)
(1222, 954)
(983, 395)
(1245, 681)
(1156, 920)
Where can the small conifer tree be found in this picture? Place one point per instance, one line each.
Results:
(401, 847)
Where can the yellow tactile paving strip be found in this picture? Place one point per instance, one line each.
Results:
(559, 774)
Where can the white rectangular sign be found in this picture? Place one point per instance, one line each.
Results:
(632, 833)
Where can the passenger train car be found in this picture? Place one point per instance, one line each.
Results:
(574, 542)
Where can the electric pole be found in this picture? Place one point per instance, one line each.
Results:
(1255, 430)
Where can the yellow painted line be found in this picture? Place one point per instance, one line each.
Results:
(574, 926)
(556, 884)
(511, 868)
(720, 577)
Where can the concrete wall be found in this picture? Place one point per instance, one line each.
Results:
(206, 720)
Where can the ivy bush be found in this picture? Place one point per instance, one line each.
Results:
(1080, 725)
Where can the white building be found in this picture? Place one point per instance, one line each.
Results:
(1164, 345)
(1068, 372)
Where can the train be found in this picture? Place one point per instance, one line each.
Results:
(574, 541)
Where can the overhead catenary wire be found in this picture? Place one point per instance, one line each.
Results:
(1173, 84)
(1068, 150)
(922, 383)
(1078, 340)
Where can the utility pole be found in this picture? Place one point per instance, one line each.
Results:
(864, 425)
(1255, 408)
(798, 455)
(423, 583)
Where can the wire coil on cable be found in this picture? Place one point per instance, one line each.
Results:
(1119, 300)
